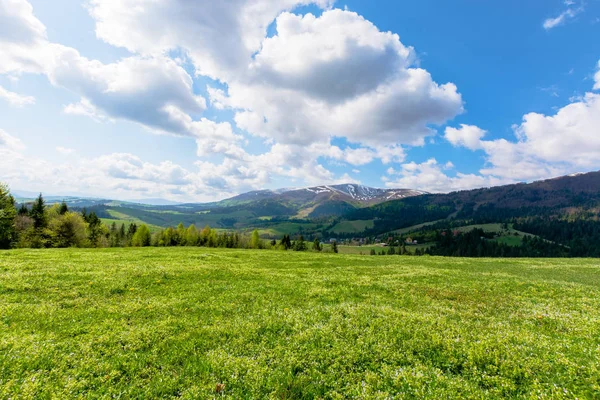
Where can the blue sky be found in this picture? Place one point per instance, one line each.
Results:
(198, 101)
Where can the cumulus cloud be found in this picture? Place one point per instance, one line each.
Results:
(314, 79)
(22, 38)
(219, 36)
(468, 136)
(356, 82)
(16, 99)
(150, 91)
(429, 176)
(546, 145)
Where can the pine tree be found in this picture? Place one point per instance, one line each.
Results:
(63, 209)
(38, 213)
(23, 210)
(317, 245)
(286, 242)
(300, 244)
(334, 247)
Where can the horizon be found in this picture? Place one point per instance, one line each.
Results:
(107, 100)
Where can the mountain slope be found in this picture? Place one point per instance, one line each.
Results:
(549, 198)
(326, 200)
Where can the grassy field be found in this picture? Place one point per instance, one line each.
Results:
(195, 323)
(353, 226)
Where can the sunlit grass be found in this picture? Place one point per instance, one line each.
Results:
(200, 323)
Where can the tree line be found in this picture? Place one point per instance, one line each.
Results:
(41, 226)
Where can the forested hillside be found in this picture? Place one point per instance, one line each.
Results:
(556, 217)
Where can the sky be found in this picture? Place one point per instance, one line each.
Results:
(199, 100)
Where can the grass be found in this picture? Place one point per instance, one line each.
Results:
(510, 236)
(415, 227)
(108, 222)
(182, 322)
(353, 226)
(285, 228)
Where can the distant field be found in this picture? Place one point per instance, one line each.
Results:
(366, 250)
(120, 218)
(414, 227)
(286, 228)
(181, 322)
(353, 226)
(510, 236)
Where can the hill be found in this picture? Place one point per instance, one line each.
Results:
(554, 217)
(270, 210)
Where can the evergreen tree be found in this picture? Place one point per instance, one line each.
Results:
(63, 209)
(23, 210)
(94, 228)
(300, 244)
(131, 231)
(286, 242)
(8, 212)
(38, 213)
(317, 244)
(334, 247)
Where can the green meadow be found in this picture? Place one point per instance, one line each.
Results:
(196, 323)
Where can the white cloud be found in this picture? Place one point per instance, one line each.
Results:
(16, 99)
(337, 56)
(85, 108)
(547, 145)
(10, 142)
(317, 78)
(150, 91)
(468, 136)
(355, 83)
(563, 17)
(429, 176)
(570, 136)
(22, 38)
(219, 36)
(65, 150)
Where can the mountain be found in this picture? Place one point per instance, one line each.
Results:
(574, 196)
(326, 200)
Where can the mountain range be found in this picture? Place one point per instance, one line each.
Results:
(352, 210)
